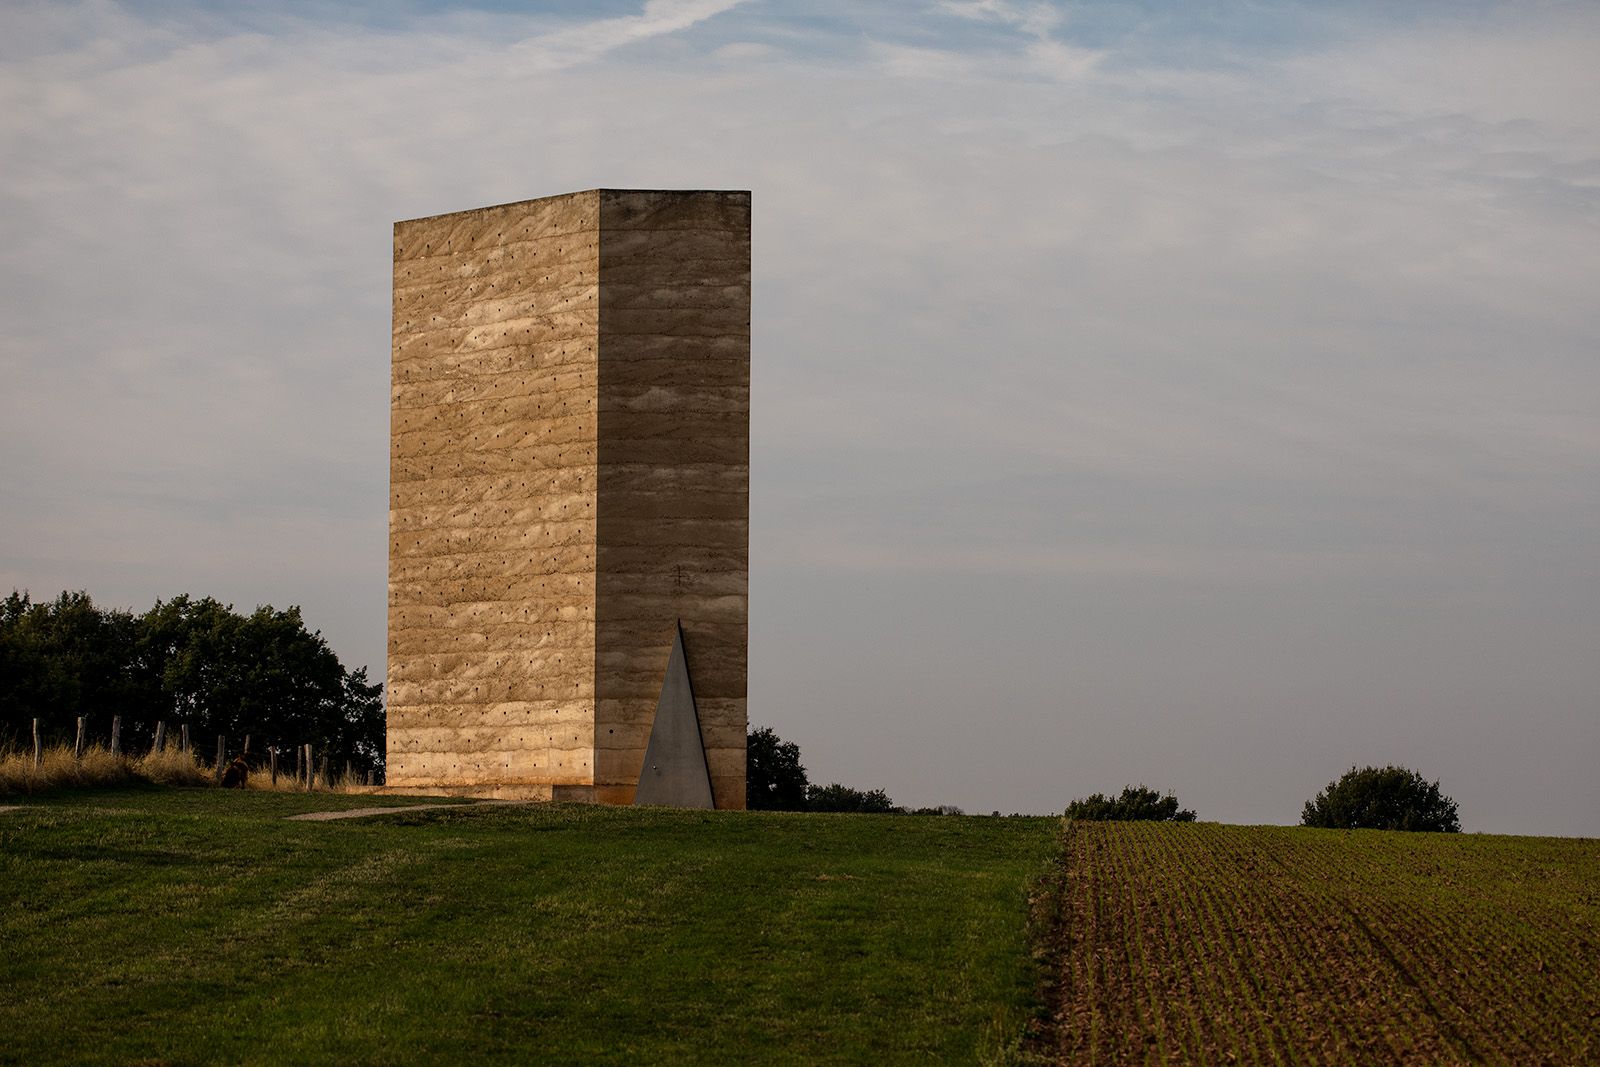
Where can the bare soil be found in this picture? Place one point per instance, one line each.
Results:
(1208, 944)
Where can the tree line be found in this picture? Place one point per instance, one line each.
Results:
(776, 780)
(185, 662)
(1369, 798)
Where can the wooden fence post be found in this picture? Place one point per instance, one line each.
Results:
(77, 751)
(311, 771)
(349, 773)
(161, 738)
(116, 736)
(273, 754)
(184, 745)
(326, 784)
(38, 746)
(222, 755)
(247, 744)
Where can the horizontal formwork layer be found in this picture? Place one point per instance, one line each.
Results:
(413, 721)
(649, 293)
(574, 316)
(457, 353)
(537, 661)
(508, 486)
(444, 581)
(573, 439)
(692, 534)
(484, 691)
(509, 625)
(626, 251)
(529, 393)
(545, 511)
(437, 734)
(495, 388)
(514, 483)
(503, 462)
(555, 260)
(549, 548)
(428, 592)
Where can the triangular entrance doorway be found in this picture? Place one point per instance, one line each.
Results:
(674, 773)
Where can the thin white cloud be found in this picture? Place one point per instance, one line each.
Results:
(589, 41)
(1035, 19)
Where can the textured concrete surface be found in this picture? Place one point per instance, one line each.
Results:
(569, 477)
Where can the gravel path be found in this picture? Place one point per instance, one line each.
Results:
(357, 813)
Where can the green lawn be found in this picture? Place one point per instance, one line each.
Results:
(184, 926)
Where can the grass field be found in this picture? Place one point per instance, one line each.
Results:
(1209, 944)
(188, 926)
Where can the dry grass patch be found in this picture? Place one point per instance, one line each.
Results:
(59, 768)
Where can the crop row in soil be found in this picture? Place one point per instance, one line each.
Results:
(1210, 944)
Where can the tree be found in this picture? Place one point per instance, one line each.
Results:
(1136, 804)
(774, 780)
(841, 798)
(194, 662)
(262, 674)
(1391, 798)
(64, 658)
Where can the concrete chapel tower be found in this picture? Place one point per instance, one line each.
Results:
(569, 482)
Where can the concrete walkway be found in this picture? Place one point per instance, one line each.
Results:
(358, 813)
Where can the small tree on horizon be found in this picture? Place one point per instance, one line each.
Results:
(1136, 804)
(1390, 798)
(774, 779)
(842, 798)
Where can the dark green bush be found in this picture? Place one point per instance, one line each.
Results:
(184, 662)
(838, 797)
(774, 779)
(1136, 804)
(1390, 798)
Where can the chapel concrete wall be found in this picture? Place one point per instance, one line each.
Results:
(569, 475)
(492, 510)
(674, 475)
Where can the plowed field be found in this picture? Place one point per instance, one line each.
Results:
(1209, 944)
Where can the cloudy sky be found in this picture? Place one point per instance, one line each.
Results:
(1205, 395)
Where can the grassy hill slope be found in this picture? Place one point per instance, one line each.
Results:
(181, 926)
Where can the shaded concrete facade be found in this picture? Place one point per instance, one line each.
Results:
(569, 478)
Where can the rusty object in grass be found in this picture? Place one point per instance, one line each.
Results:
(236, 774)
